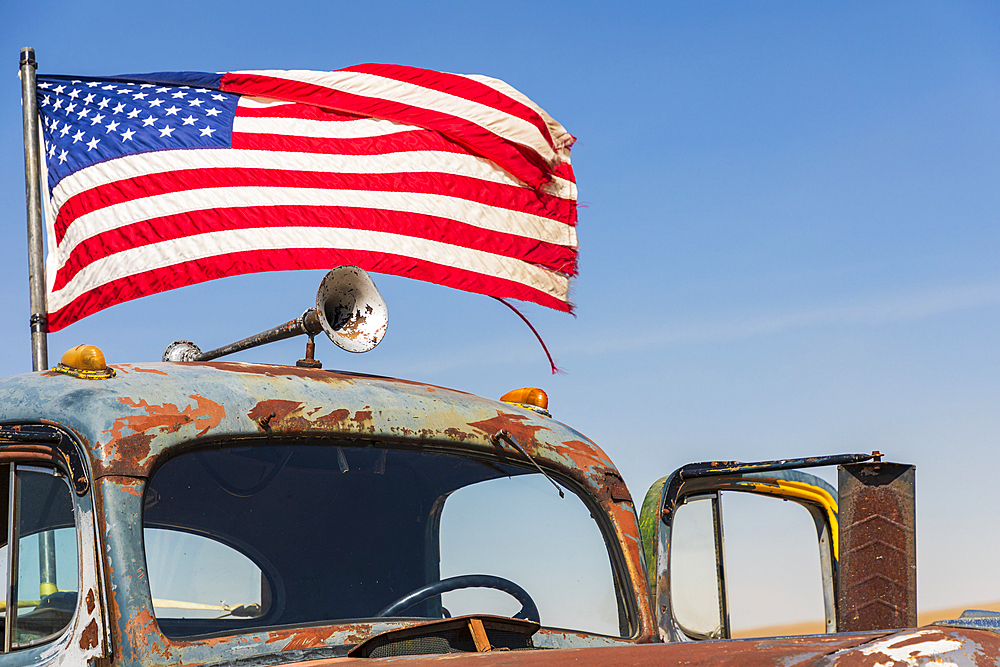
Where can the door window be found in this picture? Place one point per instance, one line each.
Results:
(42, 593)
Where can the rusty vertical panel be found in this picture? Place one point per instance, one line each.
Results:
(877, 582)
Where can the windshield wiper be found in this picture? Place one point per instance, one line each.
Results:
(252, 610)
(505, 436)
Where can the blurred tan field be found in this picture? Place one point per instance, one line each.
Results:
(816, 627)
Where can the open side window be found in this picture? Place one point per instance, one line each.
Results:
(691, 561)
(40, 546)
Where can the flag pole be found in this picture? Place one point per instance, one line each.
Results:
(36, 265)
(36, 268)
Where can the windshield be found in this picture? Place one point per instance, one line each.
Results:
(280, 534)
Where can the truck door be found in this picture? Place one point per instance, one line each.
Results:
(51, 611)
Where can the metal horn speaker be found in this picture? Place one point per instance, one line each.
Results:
(349, 310)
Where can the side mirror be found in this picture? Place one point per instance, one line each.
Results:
(683, 538)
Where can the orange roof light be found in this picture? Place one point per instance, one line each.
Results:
(532, 398)
(85, 361)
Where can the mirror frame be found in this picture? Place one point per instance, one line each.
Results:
(779, 479)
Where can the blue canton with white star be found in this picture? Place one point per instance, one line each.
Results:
(85, 121)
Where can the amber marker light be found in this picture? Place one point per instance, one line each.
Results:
(85, 361)
(531, 398)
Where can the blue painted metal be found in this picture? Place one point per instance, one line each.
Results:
(126, 424)
(975, 619)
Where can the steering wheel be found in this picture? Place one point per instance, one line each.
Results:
(528, 609)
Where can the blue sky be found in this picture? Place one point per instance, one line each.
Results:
(789, 239)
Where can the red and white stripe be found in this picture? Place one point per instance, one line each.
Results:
(484, 114)
(304, 187)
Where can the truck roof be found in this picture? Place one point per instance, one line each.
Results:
(128, 422)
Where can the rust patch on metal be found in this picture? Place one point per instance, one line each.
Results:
(88, 638)
(147, 370)
(334, 418)
(130, 451)
(280, 408)
(141, 626)
(168, 418)
(304, 638)
(457, 434)
(512, 423)
(291, 416)
(878, 584)
(130, 490)
(585, 455)
(90, 601)
(613, 487)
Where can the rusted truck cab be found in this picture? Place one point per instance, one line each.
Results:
(239, 514)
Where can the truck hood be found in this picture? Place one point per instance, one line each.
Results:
(926, 646)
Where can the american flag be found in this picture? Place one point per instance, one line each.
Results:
(159, 181)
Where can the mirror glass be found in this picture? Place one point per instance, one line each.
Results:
(694, 570)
